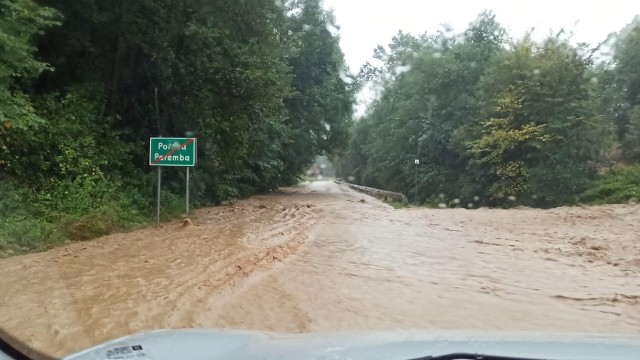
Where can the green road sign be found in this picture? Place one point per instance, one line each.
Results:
(172, 151)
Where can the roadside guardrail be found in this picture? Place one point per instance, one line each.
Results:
(380, 194)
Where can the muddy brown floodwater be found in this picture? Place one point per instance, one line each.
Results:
(320, 258)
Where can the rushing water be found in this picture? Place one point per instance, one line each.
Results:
(322, 258)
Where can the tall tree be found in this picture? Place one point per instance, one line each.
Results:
(212, 69)
(428, 98)
(488, 122)
(320, 109)
(20, 22)
(627, 65)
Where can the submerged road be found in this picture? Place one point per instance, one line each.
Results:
(322, 258)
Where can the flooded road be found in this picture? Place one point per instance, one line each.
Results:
(321, 258)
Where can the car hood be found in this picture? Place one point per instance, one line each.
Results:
(192, 344)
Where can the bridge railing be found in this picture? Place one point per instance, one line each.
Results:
(380, 194)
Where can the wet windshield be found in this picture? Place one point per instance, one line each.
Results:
(300, 166)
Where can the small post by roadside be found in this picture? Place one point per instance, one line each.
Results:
(415, 183)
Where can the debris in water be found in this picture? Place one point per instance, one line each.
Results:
(187, 223)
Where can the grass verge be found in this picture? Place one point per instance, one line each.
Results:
(82, 209)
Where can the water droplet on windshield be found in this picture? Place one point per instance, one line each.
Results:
(512, 198)
(442, 205)
(306, 27)
(437, 55)
(402, 69)
(344, 76)
(446, 28)
(333, 29)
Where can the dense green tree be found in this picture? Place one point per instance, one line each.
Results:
(557, 138)
(631, 138)
(259, 83)
(491, 121)
(506, 141)
(627, 75)
(429, 96)
(20, 22)
(320, 109)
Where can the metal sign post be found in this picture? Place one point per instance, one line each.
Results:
(187, 195)
(172, 152)
(158, 199)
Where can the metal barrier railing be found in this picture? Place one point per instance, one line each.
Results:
(381, 194)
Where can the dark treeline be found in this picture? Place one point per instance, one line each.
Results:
(497, 121)
(85, 83)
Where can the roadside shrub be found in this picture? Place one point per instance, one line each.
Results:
(89, 207)
(397, 204)
(172, 206)
(79, 209)
(617, 186)
(19, 230)
(19, 234)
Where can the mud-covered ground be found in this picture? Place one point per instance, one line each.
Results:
(321, 258)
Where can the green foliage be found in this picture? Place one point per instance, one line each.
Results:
(503, 146)
(550, 100)
(616, 186)
(320, 109)
(262, 93)
(398, 204)
(67, 144)
(20, 231)
(627, 82)
(19, 234)
(20, 21)
(428, 97)
(79, 209)
(631, 138)
(490, 120)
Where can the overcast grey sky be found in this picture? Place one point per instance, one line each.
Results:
(366, 23)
